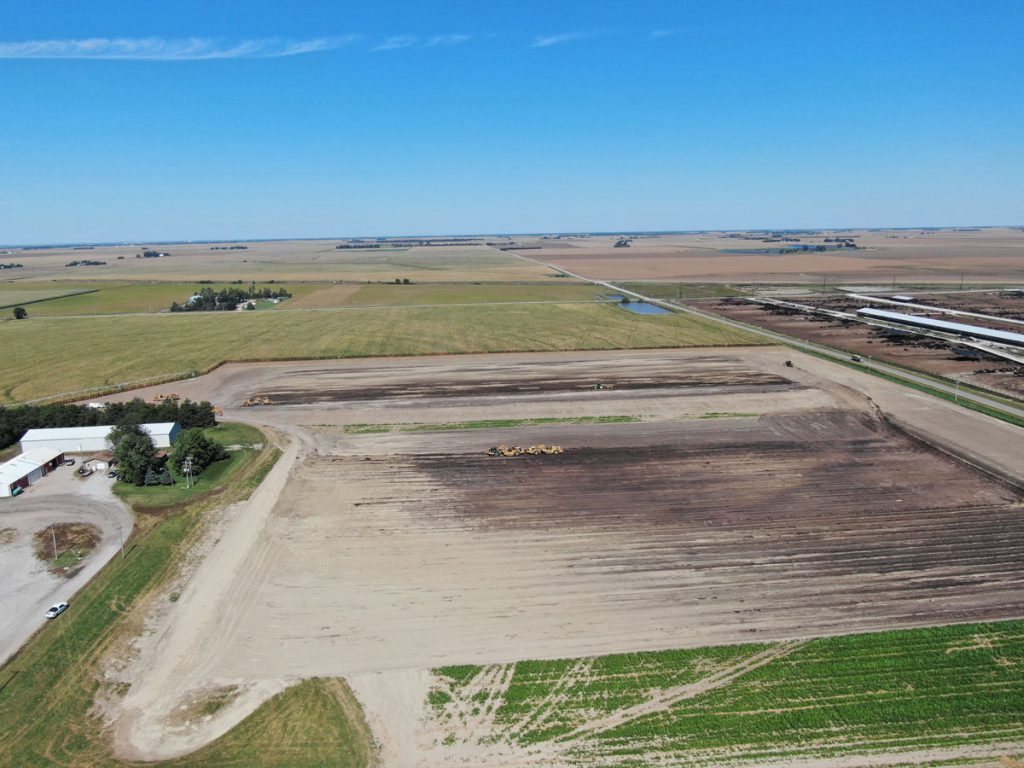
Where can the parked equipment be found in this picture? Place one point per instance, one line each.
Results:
(160, 397)
(249, 402)
(534, 450)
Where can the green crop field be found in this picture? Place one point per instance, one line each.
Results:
(434, 293)
(102, 351)
(22, 294)
(941, 687)
(126, 297)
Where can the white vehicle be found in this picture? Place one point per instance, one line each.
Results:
(56, 610)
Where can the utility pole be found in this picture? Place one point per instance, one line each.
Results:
(120, 537)
(54, 537)
(187, 470)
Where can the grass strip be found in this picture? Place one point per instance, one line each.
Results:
(456, 426)
(963, 402)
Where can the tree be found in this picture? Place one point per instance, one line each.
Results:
(20, 313)
(203, 450)
(125, 427)
(152, 477)
(165, 477)
(134, 454)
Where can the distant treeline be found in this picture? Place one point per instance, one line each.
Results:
(227, 299)
(85, 263)
(12, 265)
(17, 420)
(229, 247)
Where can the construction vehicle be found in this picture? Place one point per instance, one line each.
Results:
(160, 397)
(218, 411)
(789, 363)
(249, 402)
(534, 450)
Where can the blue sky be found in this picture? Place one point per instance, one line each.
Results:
(138, 120)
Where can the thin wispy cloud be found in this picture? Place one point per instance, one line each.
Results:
(397, 42)
(544, 41)
(437, 40)
(660, 33)
(164, 49)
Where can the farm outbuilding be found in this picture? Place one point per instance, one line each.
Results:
(960, 329)
(93, 439)
(28, 468)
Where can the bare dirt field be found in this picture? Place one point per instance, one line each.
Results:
(925, 354)
(378, 556)
(929, 256)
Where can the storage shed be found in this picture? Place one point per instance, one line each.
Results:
(93, 439)
(28, 468)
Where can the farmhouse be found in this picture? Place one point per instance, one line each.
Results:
(93, 439)
(28, 468)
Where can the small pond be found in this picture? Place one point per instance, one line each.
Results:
(639, 307)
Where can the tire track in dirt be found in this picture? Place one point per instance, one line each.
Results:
(664, 700)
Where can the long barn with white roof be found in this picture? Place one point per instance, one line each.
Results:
(93, 439)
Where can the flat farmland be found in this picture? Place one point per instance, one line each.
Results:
(422, 294)
(925, 256)
(379, 557)
(945, 695)
(297, 260)
(122, 297)
(101, 351)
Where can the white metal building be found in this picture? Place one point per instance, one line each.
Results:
(28, 468)
(93, 439)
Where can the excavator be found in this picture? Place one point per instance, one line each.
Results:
(533, 450)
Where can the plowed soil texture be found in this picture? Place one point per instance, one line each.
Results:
(718, 376)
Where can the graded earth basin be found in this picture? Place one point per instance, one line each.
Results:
(749, 501)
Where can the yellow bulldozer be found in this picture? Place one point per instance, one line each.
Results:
(160, 397)
(533, 450)
(249, 402)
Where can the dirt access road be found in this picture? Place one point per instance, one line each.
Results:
(27, 588)
(377, 556)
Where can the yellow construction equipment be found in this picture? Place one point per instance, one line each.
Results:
(218, 411)
(249, 402)
(533, 450)
(159, 397)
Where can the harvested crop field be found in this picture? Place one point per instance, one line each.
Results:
(985, 256)
(379, 556)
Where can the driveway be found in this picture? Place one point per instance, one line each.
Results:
(27, 588)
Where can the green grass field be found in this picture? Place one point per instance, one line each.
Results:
(127, 297)
(217, 476)
(910, 689)
(102, 351)
(430, 293)
(27, 294)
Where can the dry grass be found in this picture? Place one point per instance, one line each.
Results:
(108, 350)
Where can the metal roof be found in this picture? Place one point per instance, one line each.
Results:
(85, 433)
(26, 463)
(992, 334)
